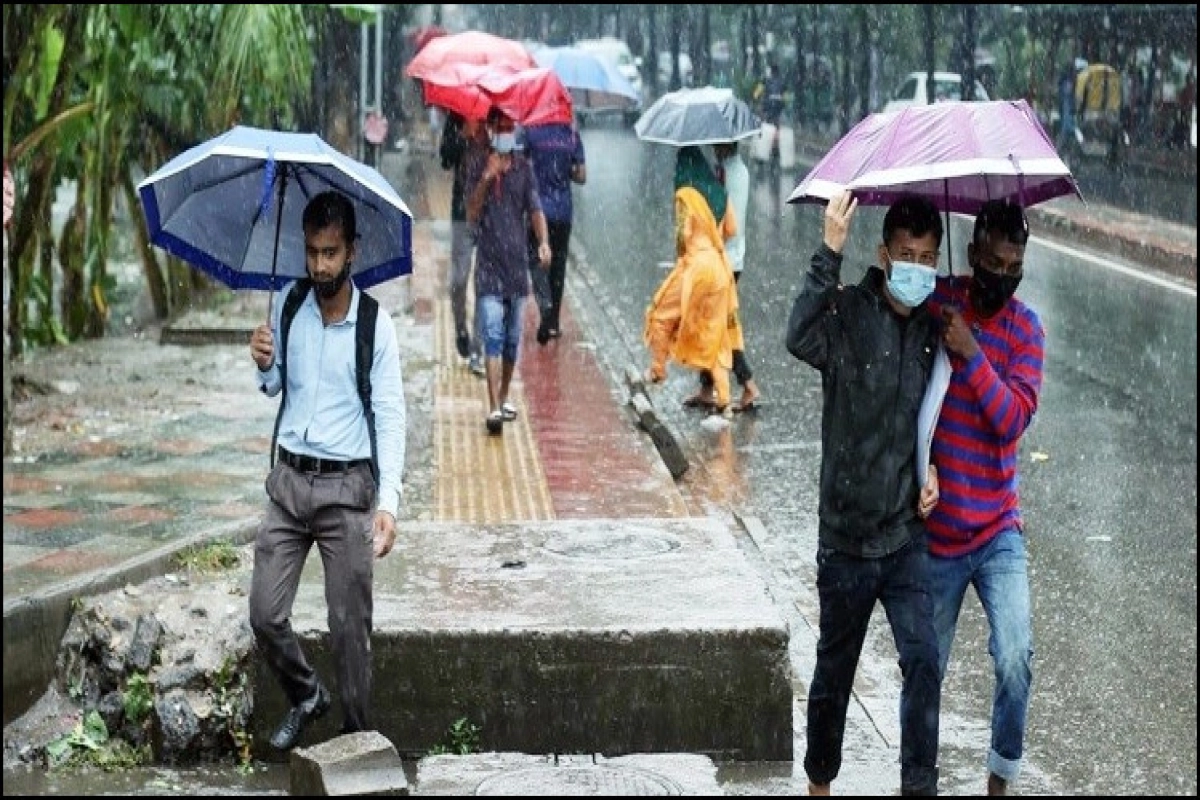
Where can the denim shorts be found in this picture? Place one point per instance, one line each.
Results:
(500, 325)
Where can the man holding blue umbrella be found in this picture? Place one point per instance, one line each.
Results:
(337, 479)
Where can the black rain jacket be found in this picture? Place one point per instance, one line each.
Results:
(874, 366)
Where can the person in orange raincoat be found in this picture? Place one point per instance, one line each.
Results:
(693, 317)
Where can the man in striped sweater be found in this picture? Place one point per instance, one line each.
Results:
(976, 534)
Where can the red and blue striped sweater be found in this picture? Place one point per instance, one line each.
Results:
(990, 402)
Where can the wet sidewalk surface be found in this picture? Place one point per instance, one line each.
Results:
(128, 445)
(130, 448)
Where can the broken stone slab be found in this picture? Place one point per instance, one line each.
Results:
(363, 763)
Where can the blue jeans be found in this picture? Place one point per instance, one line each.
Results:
(848, 588)
(500, 325)
(999, 573)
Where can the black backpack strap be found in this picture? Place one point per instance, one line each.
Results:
(290, 305)
(364, 355)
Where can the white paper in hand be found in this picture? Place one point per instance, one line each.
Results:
(931, 406)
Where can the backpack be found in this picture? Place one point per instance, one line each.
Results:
(364, 351)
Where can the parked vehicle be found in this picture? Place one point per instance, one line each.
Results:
(946, 86)
(1099, 124)
(617, 51)
(664, 69)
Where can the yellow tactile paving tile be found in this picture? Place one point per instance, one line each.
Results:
(481, 478)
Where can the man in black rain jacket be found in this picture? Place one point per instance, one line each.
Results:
(874, 344)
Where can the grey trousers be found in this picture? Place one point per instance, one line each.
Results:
(462, 252)
(336, 511)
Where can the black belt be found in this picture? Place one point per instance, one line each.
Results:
(319, 466)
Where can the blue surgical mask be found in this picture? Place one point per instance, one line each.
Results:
(504, 142)
(911, 283)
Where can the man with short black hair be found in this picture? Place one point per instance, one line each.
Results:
(503, 203)
(874, 344)
(976, 533)
(324, 488)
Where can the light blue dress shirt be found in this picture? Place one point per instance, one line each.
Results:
(324, 417)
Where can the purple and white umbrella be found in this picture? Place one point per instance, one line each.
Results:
(957, 154)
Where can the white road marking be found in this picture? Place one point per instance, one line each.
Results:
(1141, 273)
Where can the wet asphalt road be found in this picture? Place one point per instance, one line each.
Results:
(1108, 469)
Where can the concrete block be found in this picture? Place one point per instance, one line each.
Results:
(567, 636)
(635, 379)
(362, 763)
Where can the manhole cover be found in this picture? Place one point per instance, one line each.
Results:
(576, 782)
(612, 543)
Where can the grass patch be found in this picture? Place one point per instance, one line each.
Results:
(461, 739)
(212, 557)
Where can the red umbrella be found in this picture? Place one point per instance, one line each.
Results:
(534, 96)
(531, 96)
(468, 47)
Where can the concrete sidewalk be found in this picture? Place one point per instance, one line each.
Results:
(131, 449)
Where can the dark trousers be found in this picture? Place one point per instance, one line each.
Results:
(336, 511)
(741, 367)
(548, 284)
(848, 588)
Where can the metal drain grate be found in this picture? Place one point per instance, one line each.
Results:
(599, 781)
(611, 541)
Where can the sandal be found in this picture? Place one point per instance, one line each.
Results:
(495, 423)
(508, 412)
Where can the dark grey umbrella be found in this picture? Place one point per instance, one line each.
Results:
(704, 115)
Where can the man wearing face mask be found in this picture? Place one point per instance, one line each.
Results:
(503, 204)
(976, 534)
(874, 344)
(337, 480)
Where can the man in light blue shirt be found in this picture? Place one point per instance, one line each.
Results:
(323, 487)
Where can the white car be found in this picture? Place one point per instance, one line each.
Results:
(664, 69)
(946, 86)
(617, 52)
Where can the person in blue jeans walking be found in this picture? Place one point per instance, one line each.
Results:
(874, 344)
(976, 533)
(503, 203)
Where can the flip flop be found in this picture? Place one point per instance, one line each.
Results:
(748, 408)
(699, 401)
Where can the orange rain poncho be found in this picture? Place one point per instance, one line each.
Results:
(693, 317)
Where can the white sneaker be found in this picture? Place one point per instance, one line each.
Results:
(475, 364)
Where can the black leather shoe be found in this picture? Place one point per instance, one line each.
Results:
(463, 343)
(288, 733)
(543, 334)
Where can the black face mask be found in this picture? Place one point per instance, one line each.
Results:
(331, 287)
(991, 290)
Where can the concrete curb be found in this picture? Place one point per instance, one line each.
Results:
(1179, 264)
(665, 440)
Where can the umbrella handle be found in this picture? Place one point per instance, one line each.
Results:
(949, 239)
(283, 173)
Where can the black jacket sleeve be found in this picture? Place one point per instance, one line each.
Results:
(453, 143)
(806, 335)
